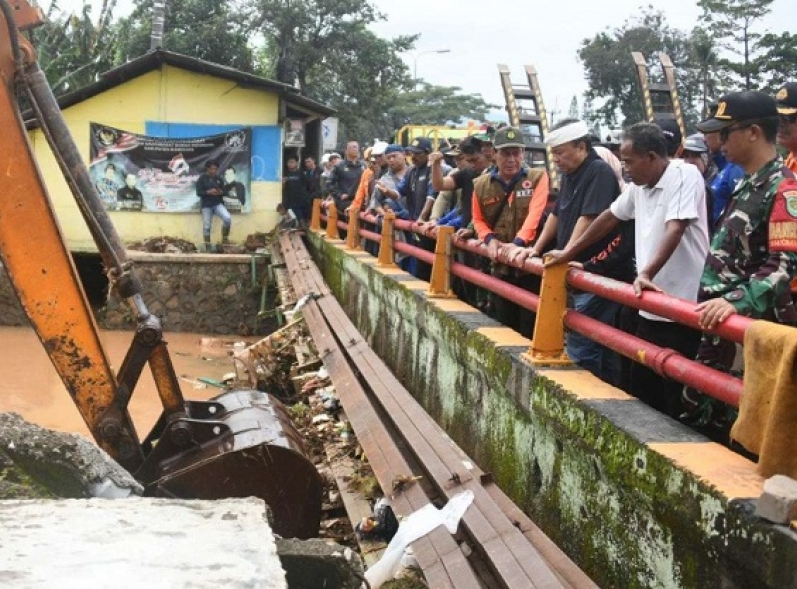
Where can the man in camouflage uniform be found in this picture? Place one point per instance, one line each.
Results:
(753, 255)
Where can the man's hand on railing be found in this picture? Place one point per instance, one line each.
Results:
(714, 312)
(643, 282)
(517, 254)
(464, 234)
(554, 257)
(495, 248)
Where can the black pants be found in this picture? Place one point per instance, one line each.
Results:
(509, 313)
(659, 392)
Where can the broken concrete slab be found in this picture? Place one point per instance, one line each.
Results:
(134, 543)
(316, 564)
(36, 462)
(778, 502)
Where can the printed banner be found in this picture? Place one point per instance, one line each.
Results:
(155, 174)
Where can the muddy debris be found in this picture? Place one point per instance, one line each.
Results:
(165, 244)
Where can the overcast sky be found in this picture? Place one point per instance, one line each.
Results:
(481, 34)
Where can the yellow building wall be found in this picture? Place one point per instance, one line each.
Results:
(168, 95)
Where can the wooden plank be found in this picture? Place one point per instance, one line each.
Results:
(384, 457)
(487, 524)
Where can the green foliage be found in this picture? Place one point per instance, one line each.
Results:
(777, 62)
(436, 105)
(206, 29)
(732, 24)
(73, 49)
(610, 70)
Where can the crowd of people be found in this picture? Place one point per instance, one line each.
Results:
(711, 218)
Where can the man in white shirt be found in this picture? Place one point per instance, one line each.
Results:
(667, 200)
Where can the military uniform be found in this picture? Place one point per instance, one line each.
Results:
(753, 255)
(742, 267)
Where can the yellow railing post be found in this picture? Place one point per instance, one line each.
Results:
(332, 222)
(353, 237)
(315, 217)
(548, 344)
(386, 256)
(440, 282)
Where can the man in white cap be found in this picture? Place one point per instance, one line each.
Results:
(588, 187)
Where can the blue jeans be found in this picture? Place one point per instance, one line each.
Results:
(207, 219)
(599, 360)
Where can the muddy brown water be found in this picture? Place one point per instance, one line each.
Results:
(31, 387)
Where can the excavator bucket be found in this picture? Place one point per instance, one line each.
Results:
(238, 444)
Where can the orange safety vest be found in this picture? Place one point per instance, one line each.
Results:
(522, 213)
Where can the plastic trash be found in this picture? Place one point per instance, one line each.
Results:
(417, 525)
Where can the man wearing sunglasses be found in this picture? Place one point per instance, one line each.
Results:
(787, 122)
(753, 255)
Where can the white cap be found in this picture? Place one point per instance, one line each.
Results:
(325, 158)
(379, 148)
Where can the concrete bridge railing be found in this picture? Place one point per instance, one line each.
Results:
(636, 499)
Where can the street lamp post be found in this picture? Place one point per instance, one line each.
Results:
(415, 61)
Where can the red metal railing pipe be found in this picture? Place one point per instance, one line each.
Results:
(512, 293)
(673, 308)
(669, 363)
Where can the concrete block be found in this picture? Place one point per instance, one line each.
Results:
(135, 543)
(317, 564)
(49, 464)
(778, 502)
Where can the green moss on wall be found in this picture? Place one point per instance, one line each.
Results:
(624, 513)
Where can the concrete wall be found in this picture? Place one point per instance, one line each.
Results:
(209, 294)
(168, 95)
(637, 500)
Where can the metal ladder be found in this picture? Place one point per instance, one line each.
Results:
(660, 99)
(526, 111)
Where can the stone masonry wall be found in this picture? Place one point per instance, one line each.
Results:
(636, 499)
(211, 294)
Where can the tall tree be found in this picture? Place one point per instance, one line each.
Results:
(704, 61)
(437, 105)
(732, 23)
(206, 29)
(74, 48)
(572, 112)
(610, 69)
(777, 61)
(300, 33)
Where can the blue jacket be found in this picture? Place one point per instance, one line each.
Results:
(724, 183)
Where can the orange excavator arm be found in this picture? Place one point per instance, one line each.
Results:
(237, 445)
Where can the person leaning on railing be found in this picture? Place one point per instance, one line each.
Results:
(508, 207)
(588, 187)
(753, 255)
(667, 202)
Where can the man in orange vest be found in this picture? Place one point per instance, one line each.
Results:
(508, 207)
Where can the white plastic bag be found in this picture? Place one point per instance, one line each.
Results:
(417, 525)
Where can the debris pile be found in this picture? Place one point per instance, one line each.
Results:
(163, 245)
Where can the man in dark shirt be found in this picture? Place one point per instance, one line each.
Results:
(234, 191)
(129, 197)
(345, 178)
(210, 190)
(312, 176)
(588, 187)
(294, 190)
